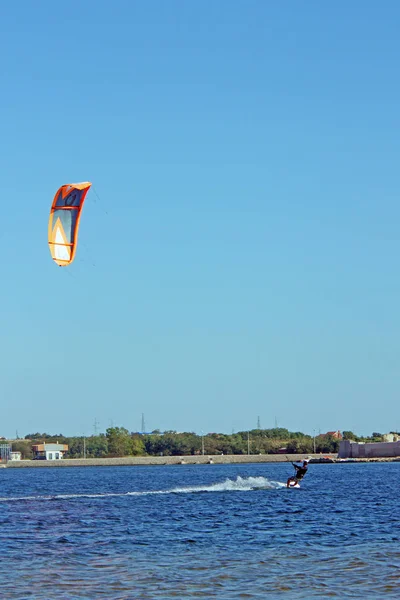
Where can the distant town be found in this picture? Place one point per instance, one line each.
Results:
(120, 442)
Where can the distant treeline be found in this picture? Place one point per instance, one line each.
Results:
(118, 441)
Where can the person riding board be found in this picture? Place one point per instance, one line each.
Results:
(300, 472)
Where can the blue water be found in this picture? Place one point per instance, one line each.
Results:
(202, 531)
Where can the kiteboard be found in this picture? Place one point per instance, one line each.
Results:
(294, 484)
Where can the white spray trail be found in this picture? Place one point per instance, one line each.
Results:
(240, 484)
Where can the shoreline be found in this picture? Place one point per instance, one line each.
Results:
(190, 460)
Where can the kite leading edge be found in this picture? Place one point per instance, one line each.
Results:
(64, 220)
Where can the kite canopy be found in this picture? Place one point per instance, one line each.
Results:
(64, 220)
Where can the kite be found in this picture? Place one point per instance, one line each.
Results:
(65, 214)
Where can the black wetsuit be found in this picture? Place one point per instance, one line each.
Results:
(300, 471)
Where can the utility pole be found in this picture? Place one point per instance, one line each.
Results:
(248, 442)
(202, 443)
(314, 441)
(143, 424)
(95, 425)
(84, 447)
(258, 423)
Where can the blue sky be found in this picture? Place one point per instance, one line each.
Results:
(241, 259)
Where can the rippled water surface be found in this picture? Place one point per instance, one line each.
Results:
(202, 531)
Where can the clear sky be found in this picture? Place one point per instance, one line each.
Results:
(241, 259)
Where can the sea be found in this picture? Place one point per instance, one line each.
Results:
(200, 531)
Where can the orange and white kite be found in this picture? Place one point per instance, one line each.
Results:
(65, 214)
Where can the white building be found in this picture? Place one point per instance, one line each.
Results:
(391, 437)
(15, 455)
(49, 451)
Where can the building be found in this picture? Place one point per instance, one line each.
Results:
(49, 451)
(5, 451)
(350, 449)
(335, 434)
(15, 455)
(391, 437)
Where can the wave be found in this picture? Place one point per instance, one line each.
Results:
(240, 484)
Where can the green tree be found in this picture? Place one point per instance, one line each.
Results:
(75, 447)
(327, 443)
(300, 445)
(349, 435)
(153, 444)
(272, 446)
(119, 441)
(137, 445)
(24, 447)
(97, 446)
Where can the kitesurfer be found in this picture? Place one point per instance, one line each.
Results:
(300, 472)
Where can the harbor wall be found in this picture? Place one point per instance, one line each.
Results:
(350, 449)
(166, 460)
